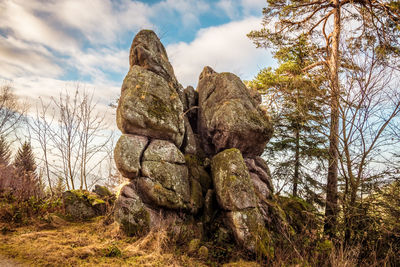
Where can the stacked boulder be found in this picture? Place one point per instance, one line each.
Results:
(183, 148)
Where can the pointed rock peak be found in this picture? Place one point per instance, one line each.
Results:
(148, 52)
(148, 40)
(206, 72)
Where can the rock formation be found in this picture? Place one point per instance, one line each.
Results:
(192, 156)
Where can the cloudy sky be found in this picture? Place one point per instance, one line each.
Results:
(47, 46)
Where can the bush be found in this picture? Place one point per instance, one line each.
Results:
(21, 212)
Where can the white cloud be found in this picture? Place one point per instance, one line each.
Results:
(23, 24)
(189, 10)
(236, 9)
(31, 88)
(18, 58)
(101, 21)
(253, 6)
(224, 48)
(229, 7)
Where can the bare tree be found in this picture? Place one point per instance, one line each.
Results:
(40, 126)
(66, 135)
(73, 133)
(371, 103)
(11, 110)
(93, 137)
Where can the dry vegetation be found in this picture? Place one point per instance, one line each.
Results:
(62, 243)
(87, 244)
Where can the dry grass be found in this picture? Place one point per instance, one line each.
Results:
(89, 244)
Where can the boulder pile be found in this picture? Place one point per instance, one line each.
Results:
(190, 155)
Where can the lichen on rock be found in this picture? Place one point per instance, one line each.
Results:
(232, 181)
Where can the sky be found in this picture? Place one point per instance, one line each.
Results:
(49, 46)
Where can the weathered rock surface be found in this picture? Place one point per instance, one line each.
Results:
(127, 154)
(190, 142)
(232, 181)
(149, 106)
(148, 52)
(229, 117)
(83, 205)
(131, 213)
(260, 175)
(247, 226)
(236, 195)
(102, 191)
(161, 150)
(165, 180)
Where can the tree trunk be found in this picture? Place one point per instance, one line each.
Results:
(331, 208)
(296, 163)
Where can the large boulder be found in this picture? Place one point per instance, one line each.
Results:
(247, 227)
(232, 182)
(229, 116)
(83, 205)
(127, 154)
(131, 213)
(161, 150)
(148, 52)
(149, 106)
(165, 180)
(236, 196)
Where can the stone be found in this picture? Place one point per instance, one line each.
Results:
(169, 136)
(229, 117)
(161, 150)
(127, 154)
(150, 107)
(258, 167)
(154, 193)
(247, 226)
(232, 181)
(148, 52)
(83, 205)
(171, 176)
(210, 206)
(190, 141)
(102, 191)
(196, 196)
(165, 180)
(261, 178)
(130, 212)
(203, 252)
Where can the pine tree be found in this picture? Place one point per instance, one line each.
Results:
(297, 108)
(27, 182)
(25, 160)
(286, 21)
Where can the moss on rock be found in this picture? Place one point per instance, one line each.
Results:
(83, 205)
(232, 181)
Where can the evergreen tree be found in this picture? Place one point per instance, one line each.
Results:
(286, 21)
(27, 182)
(297, 108)
(25, 159)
